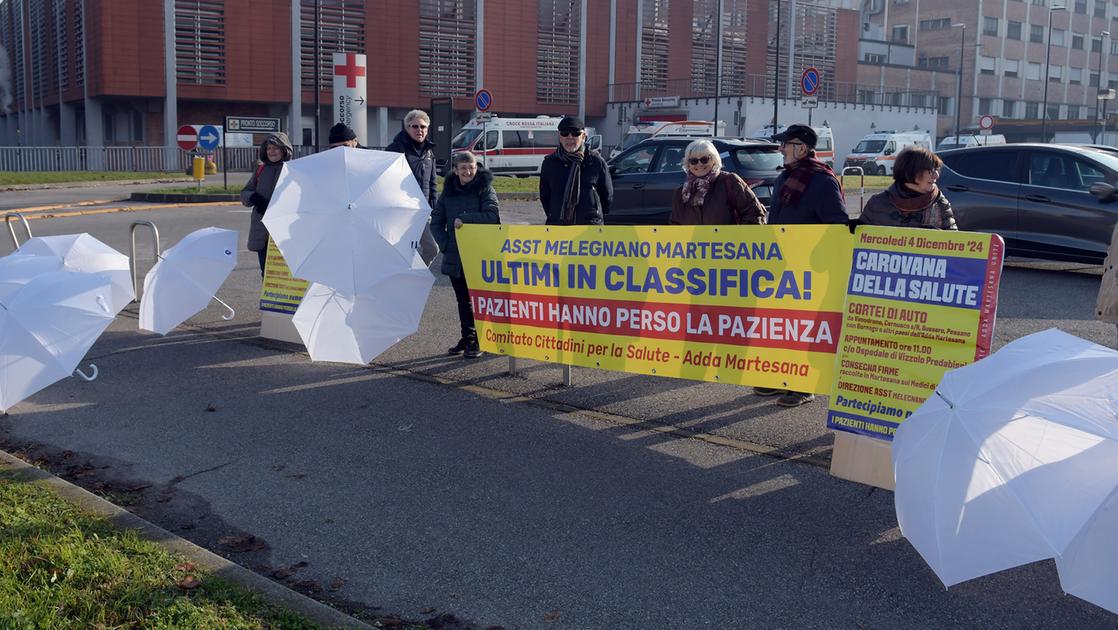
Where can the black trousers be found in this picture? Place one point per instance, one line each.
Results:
(465, 309)
(263, 256)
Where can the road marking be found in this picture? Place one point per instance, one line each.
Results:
(78, 213)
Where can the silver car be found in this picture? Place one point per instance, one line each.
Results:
(1047, 201)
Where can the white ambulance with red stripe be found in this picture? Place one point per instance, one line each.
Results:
(876, 152)
(514, 146)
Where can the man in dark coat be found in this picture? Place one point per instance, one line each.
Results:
(418, 150)
(342, 136)
(806, 192)
(257, 193)
(575, 186)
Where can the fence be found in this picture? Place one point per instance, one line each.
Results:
(133, 159)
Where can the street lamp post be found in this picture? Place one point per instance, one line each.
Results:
(1047, 61)
(959, 83)
(1098, 91)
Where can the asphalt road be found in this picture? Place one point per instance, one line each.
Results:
(428, 484)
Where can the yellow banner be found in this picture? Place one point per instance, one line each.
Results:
(920, 302)
(749, 305)
(280, 292)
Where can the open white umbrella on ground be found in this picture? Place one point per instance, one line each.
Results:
(337, 327)
(186, 277)
(347, 218)
(46, 328)
(1015, 459)
(73, 252)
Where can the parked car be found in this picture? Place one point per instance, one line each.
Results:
(1047, 201)
(646, 176)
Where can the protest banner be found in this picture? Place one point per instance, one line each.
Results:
(280, 295)
(920, 302)
(748, 305)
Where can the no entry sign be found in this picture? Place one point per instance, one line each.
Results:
(187, 137)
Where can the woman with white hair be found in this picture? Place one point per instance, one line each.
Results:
(414, 143)
(712, 196)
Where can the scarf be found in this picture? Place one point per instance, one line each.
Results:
(571, 191)
(908, 200)
(800, 173)
(695, 189)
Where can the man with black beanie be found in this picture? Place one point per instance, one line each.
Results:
(342, 136)
(575, 186)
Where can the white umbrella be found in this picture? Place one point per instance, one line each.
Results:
(46, 327)
(186, 277)
(347, 218)
(337, 327)
(77, 252)
(1015, 459)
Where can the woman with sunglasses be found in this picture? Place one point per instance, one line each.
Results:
(419, 151)
(575, 186)
(711, 196)
(913, 199)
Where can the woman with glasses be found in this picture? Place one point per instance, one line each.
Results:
(711, 196)
(913, 199)
(467, 197)
(575, 186)
(419, 151)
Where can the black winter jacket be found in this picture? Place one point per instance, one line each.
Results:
(476, 202)
(421, 160)
(595, 189)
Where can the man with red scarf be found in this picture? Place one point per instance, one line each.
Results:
(806, 192)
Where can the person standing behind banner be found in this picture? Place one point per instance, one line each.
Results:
(807, 192)
(711, 196)
(575, 186)
(257, 193)
(418, 150)
(467, 197)
(913, 199)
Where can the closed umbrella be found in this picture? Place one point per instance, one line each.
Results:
(1015, 459)
(345, 329)
(347, 218)
(46, 328)
(84, 253)
(186, 278)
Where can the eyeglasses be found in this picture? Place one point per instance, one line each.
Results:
(792, 144)
(703, 160)
(570, 134)
(418, 126)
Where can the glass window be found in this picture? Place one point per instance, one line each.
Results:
(1036, 33)
(513, 139)
(1077, 42)
(1032, 71)
(1009, 108)
(869, 146)
(465, 139)
(1081, 6)
(900, 34)
(1075, 76)
(637, 161)
(1054, 170)
(491, 139)
(1100, 8)
(671, 159)
(990, 25)
(986, 65)
(1013, 30)
(1010, 67)
(544, 138)
(999, 166)
(764, 159)
(1032, 110)
(1057, 37)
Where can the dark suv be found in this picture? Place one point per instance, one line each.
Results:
(1045, 200)
(647, 175)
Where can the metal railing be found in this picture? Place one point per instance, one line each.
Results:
(762, 86)
(144, 159)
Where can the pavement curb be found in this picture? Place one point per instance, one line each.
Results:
(159, 197)
(272, 592)
(113, 182)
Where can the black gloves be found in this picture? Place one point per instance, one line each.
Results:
(258, 200)
(853, 224)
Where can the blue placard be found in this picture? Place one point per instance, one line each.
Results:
(208, 138)
(809, 81)
(483, 100)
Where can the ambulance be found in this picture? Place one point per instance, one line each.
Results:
(514, 146)
(668, 129)
(876, 152)
(824, 146)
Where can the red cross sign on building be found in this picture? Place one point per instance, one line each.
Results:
(350, 69)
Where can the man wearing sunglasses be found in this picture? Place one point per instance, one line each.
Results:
(418, 150)
(575, 186)
(807, 191)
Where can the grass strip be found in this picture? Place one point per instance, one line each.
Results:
(18, 178)
(63, 569)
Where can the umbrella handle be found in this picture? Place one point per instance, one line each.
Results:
(87, 377)
(232, 313)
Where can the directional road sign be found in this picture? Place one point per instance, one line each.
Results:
(483, 100)
(208, 138)
(187, 137)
